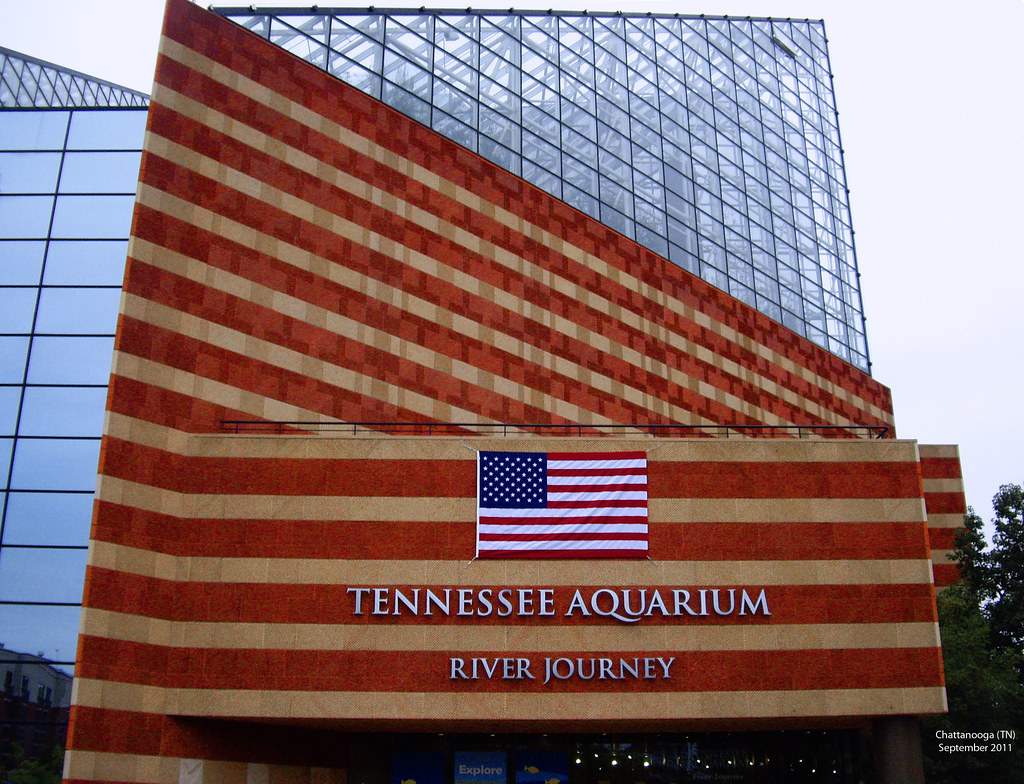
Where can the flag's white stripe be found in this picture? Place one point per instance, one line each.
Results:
(557, 544)
(636, 462)
(578, 528)
(625, 511)
(608, 479)
(607, 495)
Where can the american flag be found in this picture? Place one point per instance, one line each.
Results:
(561, 505)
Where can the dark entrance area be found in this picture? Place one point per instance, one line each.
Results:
(741, 757)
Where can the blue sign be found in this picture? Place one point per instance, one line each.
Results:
(418, 768)
(542, 767)
(480, 767)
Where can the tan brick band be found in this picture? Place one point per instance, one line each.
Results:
(944, 485)
(411, 706)
(112, 766)
(316, 636)
(343, 445)
(295, 571)
(931, 451)
(388, 509)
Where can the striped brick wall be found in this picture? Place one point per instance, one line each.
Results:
(219, 567)
(946, 506)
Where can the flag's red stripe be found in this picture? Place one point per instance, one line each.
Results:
(573, 520)
(567, 521)
(564, 554)
(596, 455)
(562, 537)
(598, 504)
(597, 472)
(557, 488)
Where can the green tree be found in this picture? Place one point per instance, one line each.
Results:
(29, 770)
(983, 690)
(970, 554)
(1004, 593)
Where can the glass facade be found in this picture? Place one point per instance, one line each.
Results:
(26, 81)
(67, 183)
(712, 141)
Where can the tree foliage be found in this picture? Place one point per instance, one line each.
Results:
(1004, 584)
(29, 770)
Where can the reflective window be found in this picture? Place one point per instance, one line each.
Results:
(6, 446)
(93, 216)
(25, 216)
(55, 464)
(63, 411)
(33, 130)
(97, 262)
(41, 575)
(21, 262)
(92, 311)
(645, 101)
(18, 308)
(100, 172)
(107, 130)
(70, 360)
(48, 518)
(53, 631)
(10, 398)
(13, 353)
(28, 172)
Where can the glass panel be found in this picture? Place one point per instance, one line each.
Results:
(454, 102)
(93, 216)
(10, 398)
(100, 172)
(28, 172)
(406, 75)
(63, 411)
(104, 129)
(454, 130)
(84, 311)
(52, 631)
(56, 464)
(502, 156)
(543, 178)
(406, 102)
(42, 575)
(25, 216)
(98, 262)
(18, 310)
(61, 519)
(6, 447)
(70, 360)
(13, 352)
(355, 75)
(34, 130)
(499, 127)
(583, 177)
(410, 45)
(21, 262)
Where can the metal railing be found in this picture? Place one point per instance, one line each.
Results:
(503, 429)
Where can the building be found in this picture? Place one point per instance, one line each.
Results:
(33, 707)
(302, 255)
(69, 159)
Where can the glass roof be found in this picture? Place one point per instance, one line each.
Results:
(26, 82)
(713, 141)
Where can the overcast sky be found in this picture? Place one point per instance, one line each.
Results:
(931, 110)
